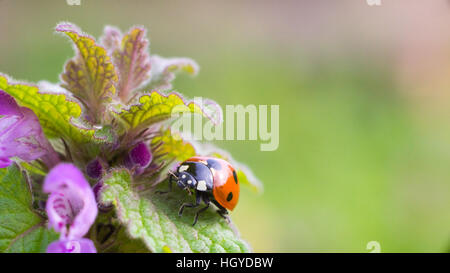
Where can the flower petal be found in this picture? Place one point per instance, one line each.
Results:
(24, 138)
(71, 206)
(8, 106)
(82, 245)
(21, 134)
(94, 169)
(4, 162)
(141, 155)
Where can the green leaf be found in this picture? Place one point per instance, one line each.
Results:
(90, 75)
(156, 107)
(33, 169)
(55, 111)
(154, 219)
(106, 134)
(124, 244)
(35, 241)
(170, 146)
(110, 237)
(21, 229)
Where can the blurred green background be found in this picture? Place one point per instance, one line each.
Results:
(363, 91)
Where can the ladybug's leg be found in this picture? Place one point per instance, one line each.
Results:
(171, 176)
(205, 199)
(198, 213)
(222, 211)
(198, 199)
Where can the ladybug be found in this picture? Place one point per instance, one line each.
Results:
(212, 180)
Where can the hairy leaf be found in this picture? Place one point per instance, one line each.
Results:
(156, 107)
(55, 112)
(163, 71)
(126, 245)
(106, 134)
(35, 241)
(111, 39)
(90, 75)
(154, 219)
(130, 55)
(21, 229)
(132, 61)
(170, 145)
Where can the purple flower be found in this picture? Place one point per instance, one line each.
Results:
(71, 205)
(82, 245)
(140, 155)
(21, 134)
(94, 169)
(4, 162)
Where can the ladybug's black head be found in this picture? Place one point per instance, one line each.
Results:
(186, 181)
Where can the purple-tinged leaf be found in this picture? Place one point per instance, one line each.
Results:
(138, 71)
(90, 75)
(132, 61)
(164, 69)
(111, 39)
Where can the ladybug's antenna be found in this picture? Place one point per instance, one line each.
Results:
(173, 174)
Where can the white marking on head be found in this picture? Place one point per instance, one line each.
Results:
(183, 168)
(183, 176)
(189, 182)
(201, 185)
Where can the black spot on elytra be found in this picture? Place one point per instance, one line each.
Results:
(230, 196)
(235, 176)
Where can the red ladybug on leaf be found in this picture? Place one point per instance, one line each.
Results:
(212, 179)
